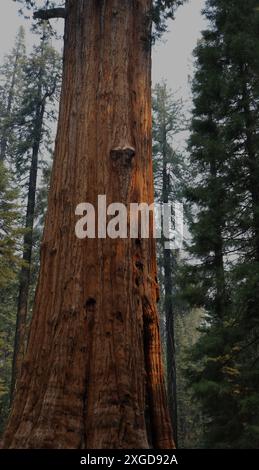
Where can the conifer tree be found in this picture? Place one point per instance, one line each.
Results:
(169, 169)
(42, 75)
(29, 93)
(10, 264)
(223, 193)
(9, 228)
(11, 88)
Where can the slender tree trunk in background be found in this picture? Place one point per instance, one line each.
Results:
(24, 287)
(20, 340)
(251, 148)
(169, 263)
(252, 160)
(37, 105)
(93, 376)
(221, 295)
(221, 301)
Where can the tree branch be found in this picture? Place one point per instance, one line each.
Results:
(49, 14)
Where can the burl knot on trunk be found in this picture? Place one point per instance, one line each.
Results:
(123, 155)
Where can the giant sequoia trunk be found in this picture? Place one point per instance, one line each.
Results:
(93, 377)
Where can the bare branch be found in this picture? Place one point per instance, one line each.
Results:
(49, 14)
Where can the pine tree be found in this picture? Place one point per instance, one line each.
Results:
(11, 86)
(190, 417)
(169, 172)
(42, 74)
(9, 228)
(30, 89)
(223, 193)
(10, 263)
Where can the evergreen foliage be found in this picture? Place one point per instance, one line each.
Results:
(161, 11)
(223, 277)
(30, 86)
(168, 120)
(10, 263)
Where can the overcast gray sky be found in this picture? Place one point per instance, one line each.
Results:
(172, 57)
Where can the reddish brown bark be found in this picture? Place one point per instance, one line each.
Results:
(93, 376)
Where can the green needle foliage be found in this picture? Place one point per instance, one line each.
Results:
(10, 263)
(29, 93)
(161, 11)
(10, 232)
(223, 277)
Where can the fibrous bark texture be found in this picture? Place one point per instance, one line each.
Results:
(93, 376)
